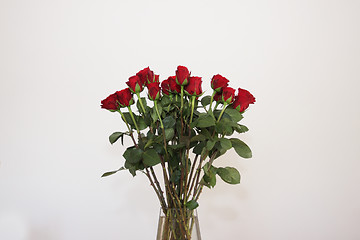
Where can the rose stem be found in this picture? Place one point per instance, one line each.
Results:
(141, 103)
(225, 104)
(212, 99)
(132, 117)
(182, 97)
(192, 108)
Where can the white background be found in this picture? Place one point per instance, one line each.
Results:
(59, 59)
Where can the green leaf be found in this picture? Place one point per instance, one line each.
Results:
(169, 133)
(225, 143)
(210, 144)
(205, 121)
(112, 172)
(127, 153)
(198, 148)
(241, 148)
(151, 157)
(115, 136)
(199, 138)
(165, 101)
(169, 122)
(133, 155)
(234, 114)
(224, 126)
(209, 178)
(229, 175)
(192, 204)
(241, 128)
(141, 123)
(205, 100)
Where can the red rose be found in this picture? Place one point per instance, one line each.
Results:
(134, 84)
(125, 97)
(110, 103)
(145, 76)
(218, 82)
(242, 100)
(194, 86)
(165, 87)
(217, 97)
(153, 91)
(174, 87)
(182, 75)
(228, 95)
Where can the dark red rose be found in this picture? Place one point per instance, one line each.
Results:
(217, 97)
(174, 87)
(153, 91)
(125, 97)
(228, 94)
(110, 103)
(242, 100)
(134, 84)
(218, 82)
(182, 75)
(165, 87)
(194, 86)
(145, 76)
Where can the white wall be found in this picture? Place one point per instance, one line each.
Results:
(58, 59)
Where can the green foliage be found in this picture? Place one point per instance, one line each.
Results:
(192, 204)
(169, 122)
(151, 158)
(229, 175)
(241, 148)
(112, 172)
(234, 114)
(225, 143)
(115, 136)
(205, 120)
(209, 178)
(205, 100)
(169, 133)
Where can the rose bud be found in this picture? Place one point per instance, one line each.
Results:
(110, 103)
(165, 87)
(134, 84)
(182, 75)
(218, 82)
(125, 97)
(194, 86)
(153, 91)
(174, 87)
(228, 95)
(217, 97)
(242, 100)
(145, 76)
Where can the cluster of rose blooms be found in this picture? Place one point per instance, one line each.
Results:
(173, 85)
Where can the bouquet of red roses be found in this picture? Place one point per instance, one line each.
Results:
(180, 131)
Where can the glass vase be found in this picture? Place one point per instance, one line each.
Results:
(178, 224)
